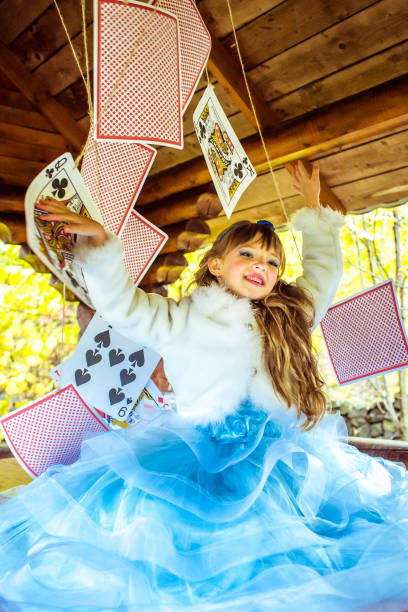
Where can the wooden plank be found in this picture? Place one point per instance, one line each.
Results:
(75, 98)
(344, 83)
(12, 199)
(15, 99)
(225, 67)
(366, 160)
(374, 190)
(355, 120)
(30, 119)
(24, 134)
(20, 14)
(23, 150)
(242, 11)
(19, 172)
(61, 70)
(271, 211)
(289, 24)
(46, 35)
(362, 35)
(33, 88)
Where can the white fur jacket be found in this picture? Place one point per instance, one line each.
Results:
(209, 341)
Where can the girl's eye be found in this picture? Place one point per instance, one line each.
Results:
(274, 263)
(245, 253)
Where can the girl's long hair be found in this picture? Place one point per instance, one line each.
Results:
(285, 318)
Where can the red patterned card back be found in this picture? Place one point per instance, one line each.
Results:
(142, 242)
(365, 335)
(137, 74)
(114, 173)
(50, 431)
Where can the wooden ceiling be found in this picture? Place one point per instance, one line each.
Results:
(329, 80)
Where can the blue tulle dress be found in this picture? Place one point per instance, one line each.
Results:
(250, 515)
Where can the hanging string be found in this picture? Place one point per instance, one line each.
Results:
(277, 188)
(88, 80)
(207, 74)
(62, 329)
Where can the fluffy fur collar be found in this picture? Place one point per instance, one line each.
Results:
(214, 299)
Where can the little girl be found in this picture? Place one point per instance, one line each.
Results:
(244, 498)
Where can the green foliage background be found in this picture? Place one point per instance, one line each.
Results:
(31, 314)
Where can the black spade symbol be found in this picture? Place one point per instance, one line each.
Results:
(82, 377)
(115, 396)
(103, 338)
(116, 356)
(92, 357)
(137, 358)
(126, 377)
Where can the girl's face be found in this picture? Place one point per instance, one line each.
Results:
(249, 270)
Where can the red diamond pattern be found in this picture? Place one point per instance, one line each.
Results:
(365, 335)
(146, 105)
(114, 173)
(195, 44)
(141, 242)
(50, 431)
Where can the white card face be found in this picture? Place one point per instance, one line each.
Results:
(60, 180)
(115, 173)
(228, 164)
(50, 430)
(137, 74)
(108, 370)
(195, 43)
(142, 242)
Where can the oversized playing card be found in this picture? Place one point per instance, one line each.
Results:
(137, 74)
(149, 406)
(108, 370)
(60, 180)
(195, 43)
(50, 430)
(114, 173)
(229, 166)
(365, 335)
(142, 242)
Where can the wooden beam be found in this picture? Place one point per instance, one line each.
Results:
(16, 225)
(31, 151)
(184, 235)
(26, 118)
(18, 133)
(31, 86)
(227, 70)
(11, 199)
(349, 121)
(193, 205)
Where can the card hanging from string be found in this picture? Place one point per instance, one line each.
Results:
(365, 334)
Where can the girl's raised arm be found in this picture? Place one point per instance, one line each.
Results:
(146, 318)
(321, 252)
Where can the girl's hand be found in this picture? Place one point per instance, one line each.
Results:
(75, 224)
(308, 186)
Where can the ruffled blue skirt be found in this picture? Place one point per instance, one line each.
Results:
(250, 516)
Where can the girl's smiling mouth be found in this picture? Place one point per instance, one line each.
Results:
(255, 279)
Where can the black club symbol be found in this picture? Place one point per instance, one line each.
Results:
(238, 170)
(202, 130)
(49, 172)
(59, 187)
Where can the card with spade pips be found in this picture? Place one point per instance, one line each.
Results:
(108, 370)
